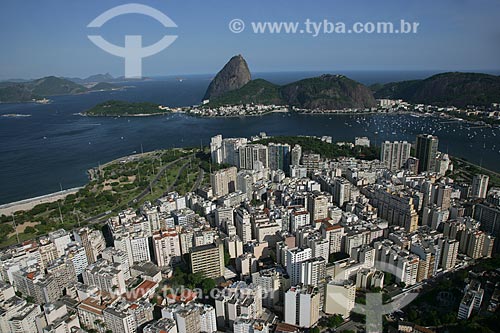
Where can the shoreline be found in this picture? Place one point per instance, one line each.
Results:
(123, 115)
(30, 203)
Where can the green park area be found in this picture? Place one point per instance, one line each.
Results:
(126, 182)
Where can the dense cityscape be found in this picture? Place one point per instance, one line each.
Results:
(281, 166)
(280, 239)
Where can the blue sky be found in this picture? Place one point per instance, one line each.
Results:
(49, 37)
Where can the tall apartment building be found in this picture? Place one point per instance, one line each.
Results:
(340, 298)
(113, 255)
(224, 181)
(243, 225)
(279, 156)
(208, 259)
(299, 218)
(18, 316)
(167, 248)
(312, 271)
(216, 153)
(106, 276)
(31, 282)
(119, 321)
(253, 157)
(273, 282)
(426, 152)
(489, 216)
(449, 252)
(394, 155)
(341, 191)
(302, 304)
(334, 234)
(60, 238)
(92, 241)
(77, 255)
(135, 244)
(317, 205)
(48, 252)
(480, 186)
(294, 258)
(236, 300)
(63, 272)
(296, 155)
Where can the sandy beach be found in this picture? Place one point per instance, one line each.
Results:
(27, 204)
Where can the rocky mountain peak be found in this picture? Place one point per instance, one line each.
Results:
(234, 75)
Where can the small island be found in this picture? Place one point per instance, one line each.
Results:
(126, 109)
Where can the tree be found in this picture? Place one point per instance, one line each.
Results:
(315, 330)
(334, 321)
(196, 278)
(207, 285)
(29, 230)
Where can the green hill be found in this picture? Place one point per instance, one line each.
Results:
(446, 89)
(122, 108)
(323, 92)
(257, 91)
(328, 92)
(51, 85)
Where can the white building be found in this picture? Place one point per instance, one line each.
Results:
(302, 306)
(294, 257)
(106, 276)
(167, 248)
(61, 238)
(77, 255)
(340, 298)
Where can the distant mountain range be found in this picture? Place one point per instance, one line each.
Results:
(103, 78)
(45, 87)
(233, 85)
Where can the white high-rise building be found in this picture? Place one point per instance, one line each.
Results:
(480, 186)
(119, 257)
(340, 298)
(274, 282)
(312, 271)
(136, 245)
(224, 181)
(298, 219)
(294, 258)
(167, 248)
(393, 155)
(253, 157)
(106, 276)
(334, 234)
(302, 305)
(243, 225)
(61, 238)
(216, 149)
(77, 255)
(236, 300)
(208, 319)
